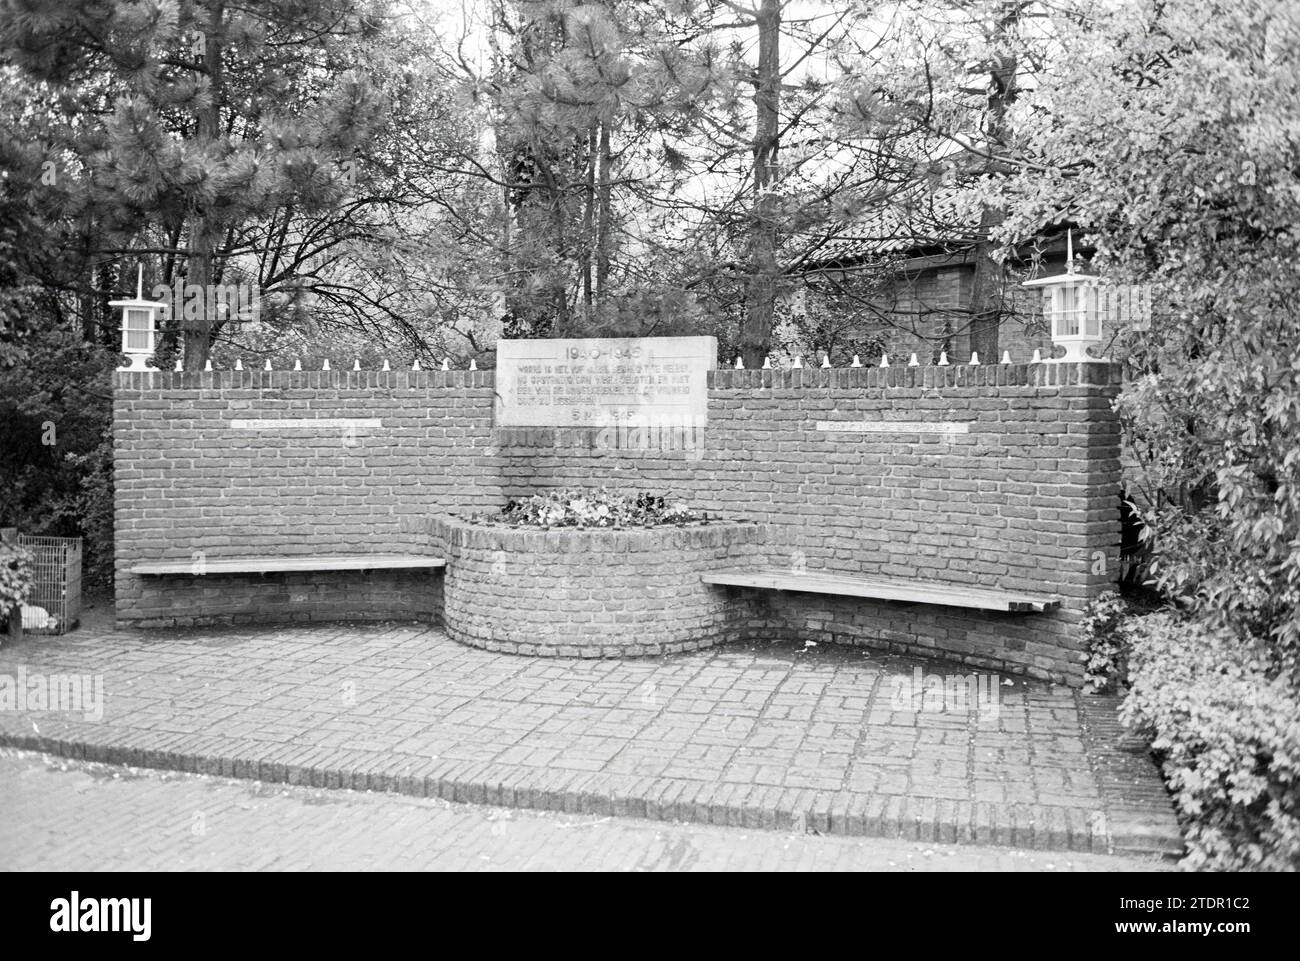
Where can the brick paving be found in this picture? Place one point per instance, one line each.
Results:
(149, 821)
(775, 736)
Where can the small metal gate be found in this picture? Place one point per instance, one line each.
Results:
(55, 604)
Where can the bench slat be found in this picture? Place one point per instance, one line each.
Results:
(314, 562)
(923, 592)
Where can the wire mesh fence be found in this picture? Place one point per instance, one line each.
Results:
(55, 604)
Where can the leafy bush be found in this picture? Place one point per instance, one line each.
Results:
(1106, 658)
(576, 507)
(1204, 213)
(16, 578)
(1107, 626)
(1228, 730)
(56, 423)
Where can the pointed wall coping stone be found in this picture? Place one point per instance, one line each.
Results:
(311, 379)
(1031, 376)
(929, 376)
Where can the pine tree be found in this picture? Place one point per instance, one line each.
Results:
(191, 120)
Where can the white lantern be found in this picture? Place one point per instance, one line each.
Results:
(139, 326)
(1070, 302)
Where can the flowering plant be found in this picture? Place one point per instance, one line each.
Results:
(575, 507)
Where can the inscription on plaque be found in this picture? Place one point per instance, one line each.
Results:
(603, 382)
(305, 423)
(892, 427)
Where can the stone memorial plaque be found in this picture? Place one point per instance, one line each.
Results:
(604, 382)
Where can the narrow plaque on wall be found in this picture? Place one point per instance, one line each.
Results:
(892, 427)
(304, 423)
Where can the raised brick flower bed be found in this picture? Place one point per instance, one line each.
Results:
(575, 592)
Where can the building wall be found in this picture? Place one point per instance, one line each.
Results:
(929, 302)
(928, 308)
(1026, 500)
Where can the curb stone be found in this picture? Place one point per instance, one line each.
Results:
(1029, 826)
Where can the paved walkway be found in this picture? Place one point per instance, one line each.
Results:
(772, 736)
(150, 821)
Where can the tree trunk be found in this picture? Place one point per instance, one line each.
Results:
(986, 293)
(87, 302)
(588, 226)
(200, 270)
(86, 307)
(986, 288)
(603, 213)
(562, 322)
(756, 327)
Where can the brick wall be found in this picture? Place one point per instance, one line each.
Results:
(1024, 329)
(1026, 500)
(929, 308)
(189, 481)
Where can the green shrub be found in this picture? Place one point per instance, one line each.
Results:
(56, 420)
(1227, 728)
(16, 578)
(1106, 658)
(577, 507)
(1107, 622)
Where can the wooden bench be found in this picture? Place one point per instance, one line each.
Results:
(852, 585)
(269, 565)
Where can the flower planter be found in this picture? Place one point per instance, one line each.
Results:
(571, 592)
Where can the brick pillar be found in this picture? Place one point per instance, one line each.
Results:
(1093, 419)
(1088, 524)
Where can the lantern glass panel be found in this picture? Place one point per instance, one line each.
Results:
(1092, 312)
(1069, 311)
(139, 329)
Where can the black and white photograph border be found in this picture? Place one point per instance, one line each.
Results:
(621, 436)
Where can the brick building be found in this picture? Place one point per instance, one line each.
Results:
(906, 287)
